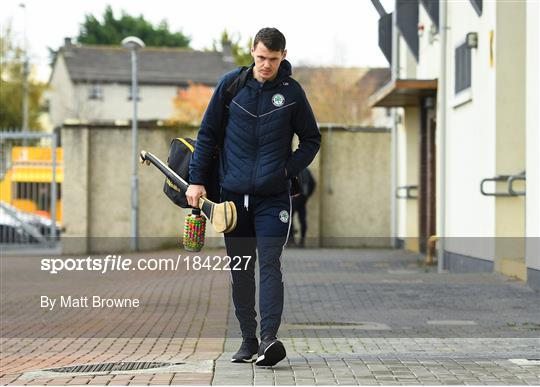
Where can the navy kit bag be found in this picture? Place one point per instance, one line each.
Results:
(181, 150)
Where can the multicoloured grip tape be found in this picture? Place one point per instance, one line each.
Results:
(194, 231)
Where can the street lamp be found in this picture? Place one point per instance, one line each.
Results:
(26, 71)
(133, 44)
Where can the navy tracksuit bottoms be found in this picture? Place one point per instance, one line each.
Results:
(261, 232)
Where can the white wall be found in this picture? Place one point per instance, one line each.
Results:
(407, 62)
(428, 65)
(470, 134)
(533, 136)
(60, 93)
(156, 102)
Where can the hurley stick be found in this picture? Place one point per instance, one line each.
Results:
(221, 215)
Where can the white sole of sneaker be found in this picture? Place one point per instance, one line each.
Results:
(253, 358)
(271, 356)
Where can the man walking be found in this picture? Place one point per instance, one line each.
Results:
(299, 204)
(255, 133)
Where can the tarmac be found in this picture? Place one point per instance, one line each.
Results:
(352, 316)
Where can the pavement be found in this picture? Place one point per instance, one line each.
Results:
(352, 316)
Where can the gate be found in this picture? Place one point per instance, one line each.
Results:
(31, 173)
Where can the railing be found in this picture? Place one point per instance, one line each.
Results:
(408, 192)
(521, 176)
(509, 180)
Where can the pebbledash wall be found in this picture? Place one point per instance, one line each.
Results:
(96, 192)
(352, 201)
(350, 206)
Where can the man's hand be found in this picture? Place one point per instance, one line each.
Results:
(193, 193)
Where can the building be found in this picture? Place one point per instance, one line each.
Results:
(465, 91)
(339, 94)
(93, 83)
(372, 80)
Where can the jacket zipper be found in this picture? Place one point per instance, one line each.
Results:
(254, 173)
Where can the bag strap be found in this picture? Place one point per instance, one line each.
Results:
(190, 147)
(235, 86)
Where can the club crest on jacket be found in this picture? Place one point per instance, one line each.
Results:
(284, 216)
(278, 100)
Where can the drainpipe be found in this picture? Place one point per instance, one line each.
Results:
(441, 124)
(394, 140)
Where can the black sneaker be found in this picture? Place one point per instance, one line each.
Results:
(247, 352)
(271, 352)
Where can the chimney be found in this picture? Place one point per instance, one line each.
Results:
(226, 52)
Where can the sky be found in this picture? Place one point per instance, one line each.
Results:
(337, 33)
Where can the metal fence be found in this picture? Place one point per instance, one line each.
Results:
(31, 174)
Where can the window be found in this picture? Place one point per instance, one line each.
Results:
(95, 91)
(45, 107)
(462, 68)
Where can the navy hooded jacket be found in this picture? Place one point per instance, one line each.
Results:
(261, 119)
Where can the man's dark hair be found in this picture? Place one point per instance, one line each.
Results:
(272, 38)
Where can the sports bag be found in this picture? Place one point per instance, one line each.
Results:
(181, 151)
